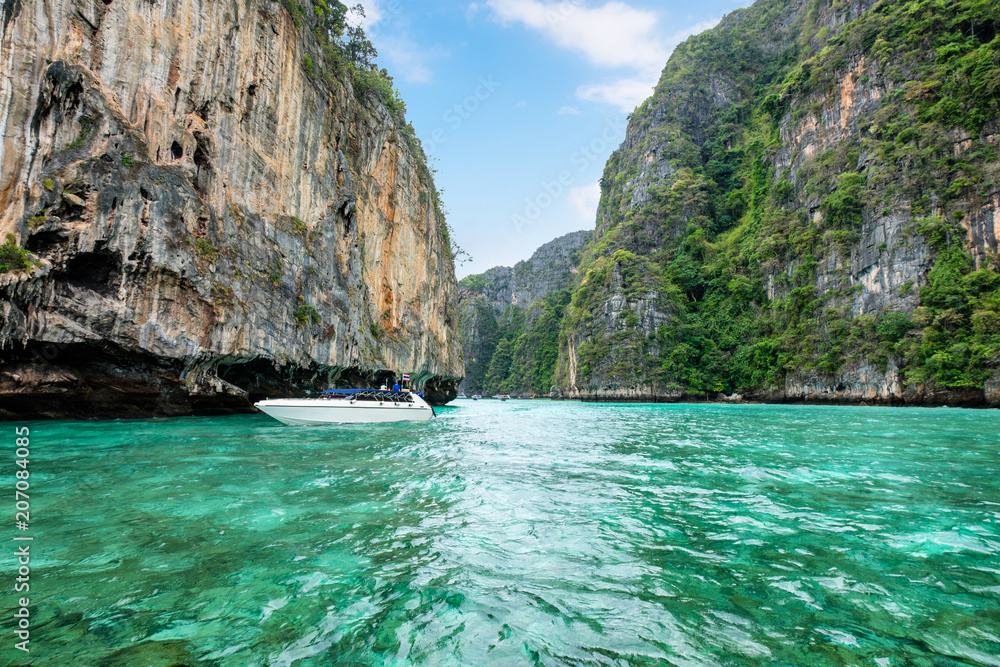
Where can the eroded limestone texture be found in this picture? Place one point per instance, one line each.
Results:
(210, 223)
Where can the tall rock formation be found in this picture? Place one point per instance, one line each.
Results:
(509, 319)
(551, 267)
(807, 208)
(214, 212)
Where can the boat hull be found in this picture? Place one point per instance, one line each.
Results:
(309, 412)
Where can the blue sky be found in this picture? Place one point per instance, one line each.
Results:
(519, 103)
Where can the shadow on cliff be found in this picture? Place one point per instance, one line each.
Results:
(102, 381)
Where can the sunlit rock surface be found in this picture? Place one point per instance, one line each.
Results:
(210, 224)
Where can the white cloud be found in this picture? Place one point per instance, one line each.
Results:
(387, 28)
(625, 94)
(614, 35)
(628, 93)
(585, 200)
(373, 14)
(405, 58)
(571, 111)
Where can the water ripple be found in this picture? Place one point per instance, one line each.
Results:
(524, 533)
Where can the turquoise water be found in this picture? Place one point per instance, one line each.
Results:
(522, 533)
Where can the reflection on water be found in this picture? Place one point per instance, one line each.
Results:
(522, 533)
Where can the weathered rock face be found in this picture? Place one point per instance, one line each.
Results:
(513, 304)
(549, 268)
(479, 330)
(764, 225)
(865, 382)
(210, 224)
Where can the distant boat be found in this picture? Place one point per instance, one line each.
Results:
(349, 406)
(476, 397)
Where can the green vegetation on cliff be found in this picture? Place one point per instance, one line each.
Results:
(12, 257)
(510, 320)
(750, 249)
(958, 344)
(517, 352)
(527, 347)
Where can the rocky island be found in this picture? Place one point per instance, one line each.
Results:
(806, 209)
(510, 318)
(204, 204)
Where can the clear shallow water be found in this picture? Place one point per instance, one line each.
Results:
(521, 533)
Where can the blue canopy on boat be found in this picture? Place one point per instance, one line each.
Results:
(350, 392)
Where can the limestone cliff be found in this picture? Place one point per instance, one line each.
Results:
(551, 267)
(509, 319)
(209, 219)
(806, 209)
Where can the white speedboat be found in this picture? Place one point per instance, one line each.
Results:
(349, 406)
